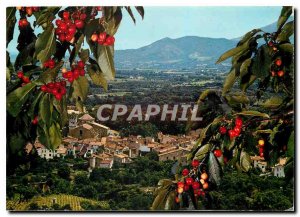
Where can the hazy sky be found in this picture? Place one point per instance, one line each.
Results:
(174, 22)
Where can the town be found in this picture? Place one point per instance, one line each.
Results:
(102, 146)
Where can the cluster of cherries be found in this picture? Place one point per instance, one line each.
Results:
(236, 131)
(58, 89)
(261, 144)
(68, 25)
(35, 120)
(276, 68)
(23, 22)
(191, 181)
(23, 77)
(103, 39)
(49, 64)
(77, 70)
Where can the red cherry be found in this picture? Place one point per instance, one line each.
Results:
(76, 73)
(271, 44)
(72, 30)
(20, 74)
(238, 122)
(278, 62)
(44, 88)
(261, 154)
(218, 153)
(82, 16)
(62, 37)
(35, 120)
(29, 11)
(81, 72)
(66, 15)
(189, 181)
(232, 134)
(99, 8)
(23, 23)
(69, 37)
(273, 73)
(50, 85)
(177, 200)
(186, 187)
(58, 31)
(110, 40)
(261, 150)
(81, 64)
(185, 172)
(69, 74)
(195, 163)
(51, 64)
(94, 37)
(63, 83)
(280, 73)
(58, 22)
(223, 130)
(79, 24)
(180, 184)
(237, 130)
(63, 26)
(58, 96)
(71, 79)
(26, 79)
(35, 9)
(63, 91)
(102, 37)
(196, 185)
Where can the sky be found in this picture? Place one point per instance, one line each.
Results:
(174, 22)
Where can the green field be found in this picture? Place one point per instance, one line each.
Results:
(61, 199)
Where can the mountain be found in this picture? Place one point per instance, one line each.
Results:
(184, 52)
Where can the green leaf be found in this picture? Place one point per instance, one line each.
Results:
(45, 45)
(31, 112)
(50, 74)
(45, 15)
(79, 91)
(262, 62)
(291, 145)
(97, 76)
(61, 108)
(232, 52)
(45, 110)
(84, 55)
(245, 161)
(113, 24)
(16, 143)
(229, 81)
(214, 169)
(128, 9)
(170, 202)
(287, 47)
(25, 56)
(248, 36)
(17, 98)
(253, 113)
(244, 86)
(202, 151)
(273, 102)
(105, 60)
(286, 12)
(244, 67)
(10, 23)
(286, 32)
(55, 135)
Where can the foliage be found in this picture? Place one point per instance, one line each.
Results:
(32, 111)
(242, 123)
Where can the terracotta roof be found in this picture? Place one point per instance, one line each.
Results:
(87, 126)
(69, 139)
(121, 155)
(61, 150)
(86, 117)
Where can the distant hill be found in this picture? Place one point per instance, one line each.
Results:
(167, 52)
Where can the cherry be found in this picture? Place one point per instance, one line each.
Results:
(218, 153)
(280, 73)
(62, 37)
(58, 31)
(63, 70)
(81, 72)
(261, 154)
(71, 79)
(63, 26)
(35, 9)
(180, 184)
(273, 73)
(231, 133)
(94, 37)
(20, 74)
(189, 181)
(179, 190)
(51, 63)
(76, 73)
(195, 163)
(177, 200)
(58, 96)
(204, 176)
(26, 79)
(82, 16)
(58, 22)
(271, 44)
(278, 62)
(35, 120)
(205, 185)
(237, 130)
(110, 40)
(79, 24)
(72, 30)
(196, 185)
(69, 37)
(23, 23)
(63, 83)
(261, 150)
(186, 187)
(44, 88)
(223, 130)
(185, 172)
(81, 64)
(29, 11)
(238, 122)
(99, 8)
(102, 37)
(66, 15)
(50, 85)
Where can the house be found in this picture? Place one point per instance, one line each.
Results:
(101, 161)
(122, 158)
(86, 118)
(173, 154)
(61, 151)
(143, 150)
(278, 169)
(258, 162)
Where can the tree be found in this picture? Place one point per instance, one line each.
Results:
(39, 86)
(64, 171)
(241, 123)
